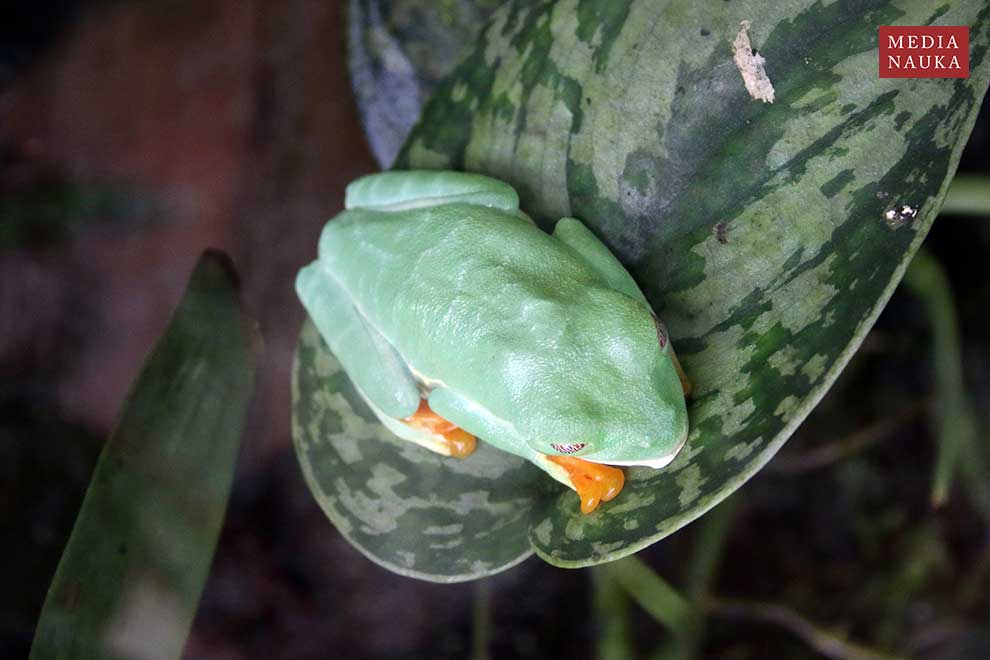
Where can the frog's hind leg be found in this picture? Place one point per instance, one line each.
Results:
(400, 191)
(427, 429)
(374, 366)
(439, 434)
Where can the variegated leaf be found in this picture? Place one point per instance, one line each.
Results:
(768, 236)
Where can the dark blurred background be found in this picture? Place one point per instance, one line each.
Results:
(133, 134)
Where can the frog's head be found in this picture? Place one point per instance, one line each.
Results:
(618, 398)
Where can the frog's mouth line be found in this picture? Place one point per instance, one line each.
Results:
(655, 463)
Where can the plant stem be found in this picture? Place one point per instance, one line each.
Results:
(825, 642)
(968, 195)
(650, 591)
(851, 444)
(481, 621)
(955, 427)
(974, 469)
(973, 586)
(702, 572)
(612, 617)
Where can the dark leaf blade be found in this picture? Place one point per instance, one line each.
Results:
(406, 508)
(397, 53)
(130, 578)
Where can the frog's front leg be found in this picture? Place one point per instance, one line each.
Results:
(593, 482)
(375, 367)
(578, 237)
(573, 233)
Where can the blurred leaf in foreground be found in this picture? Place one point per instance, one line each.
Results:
(133, 570)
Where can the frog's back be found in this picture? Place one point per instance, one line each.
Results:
(457, 276)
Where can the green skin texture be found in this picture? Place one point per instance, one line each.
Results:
(436, 282)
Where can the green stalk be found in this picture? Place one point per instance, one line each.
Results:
(650, 591)
(955, 427)
(970, 195)
(612, 617)
(823, 456)
(825, 642)
(703, 571)
(481, 621)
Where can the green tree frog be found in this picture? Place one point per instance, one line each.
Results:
(455, 316)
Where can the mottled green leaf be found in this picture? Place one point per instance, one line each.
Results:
(414, 512)
(398, 51)
(768, 236)
(132, 572)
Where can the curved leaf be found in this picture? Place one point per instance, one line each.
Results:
(767, 236)
(130, 578)
(398, 51)
(457, 520)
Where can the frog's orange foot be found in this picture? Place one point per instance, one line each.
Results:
(593, 482)
(460, 443)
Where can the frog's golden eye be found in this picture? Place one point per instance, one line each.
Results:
(661, 333)
(569, 449)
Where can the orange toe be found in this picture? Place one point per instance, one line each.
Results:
(460, 442)
(593, 482)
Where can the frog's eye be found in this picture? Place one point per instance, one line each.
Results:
(661, 333)
(569, 449)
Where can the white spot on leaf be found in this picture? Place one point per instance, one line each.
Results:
(690, 481)
(600, 549)
(574, 529)
(742, 450)
(815, 367)
(750, 65)
(443, 530)
(787, 406)
(898, 215)
(542, 531)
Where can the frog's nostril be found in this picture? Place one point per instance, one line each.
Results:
(569, 449)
